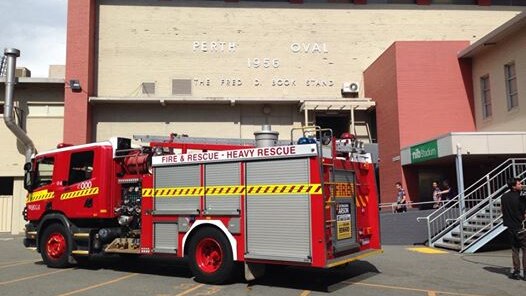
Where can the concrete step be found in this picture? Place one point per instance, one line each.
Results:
(448, 246)
(478, 221)
(456, 240)
(467, 234)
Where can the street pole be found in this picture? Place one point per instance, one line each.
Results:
(460, 179)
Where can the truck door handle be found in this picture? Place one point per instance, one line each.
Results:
(88, 203)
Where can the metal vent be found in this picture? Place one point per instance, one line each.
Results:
(148, 88)
(181, 87)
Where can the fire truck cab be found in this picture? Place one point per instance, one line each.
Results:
(311, 202)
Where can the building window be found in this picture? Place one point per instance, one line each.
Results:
(485, 95)
(148, 88)
(512, 94)
(181, 87)
(6, 185)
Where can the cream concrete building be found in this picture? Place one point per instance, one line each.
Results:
(213, 69)
(39, 108)
(499, 77)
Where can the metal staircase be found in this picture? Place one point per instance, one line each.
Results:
(468, 226)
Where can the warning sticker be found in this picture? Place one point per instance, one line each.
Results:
(343, 221)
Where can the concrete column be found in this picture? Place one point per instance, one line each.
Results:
(19, 202)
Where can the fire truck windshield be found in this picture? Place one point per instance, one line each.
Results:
(44, 171)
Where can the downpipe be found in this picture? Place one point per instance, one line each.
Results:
(9, 115)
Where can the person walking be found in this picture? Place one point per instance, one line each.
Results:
(513, 207)
(436, 195)
(401, 198)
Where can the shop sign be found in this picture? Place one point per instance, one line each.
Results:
(425, 151)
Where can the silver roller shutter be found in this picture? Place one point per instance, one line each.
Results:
(177, 176)
(278, 226)
(224, 174)
(165, 237)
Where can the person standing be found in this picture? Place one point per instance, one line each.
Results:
(401, 198)
(436, 195)
(513, 207)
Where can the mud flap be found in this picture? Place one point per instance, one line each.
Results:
(254, 270)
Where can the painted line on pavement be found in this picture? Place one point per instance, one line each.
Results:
(408, 289)
(190, 290)
(305, 293)
(15, 263)
(100, 285)
(32, 277)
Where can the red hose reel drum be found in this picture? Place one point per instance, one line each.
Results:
(137, 163)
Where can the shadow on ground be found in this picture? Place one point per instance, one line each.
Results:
(322, 280)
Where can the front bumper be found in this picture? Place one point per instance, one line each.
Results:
(30, 240)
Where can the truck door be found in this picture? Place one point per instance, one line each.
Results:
(344, 212)
(43, 193)
(79, 187)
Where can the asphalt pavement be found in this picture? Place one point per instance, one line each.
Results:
(400, 270)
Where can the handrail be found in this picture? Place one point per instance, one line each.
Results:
(477, 194)
(393, 205)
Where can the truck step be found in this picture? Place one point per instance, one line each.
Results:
(81, 235)
(80, 252)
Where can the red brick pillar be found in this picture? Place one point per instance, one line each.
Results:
(360, 1)
(296, 1)
(80, 56)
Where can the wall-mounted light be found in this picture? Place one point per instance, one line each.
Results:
(75, 85)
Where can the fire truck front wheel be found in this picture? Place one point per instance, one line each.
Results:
(55, 246)
(210, 256)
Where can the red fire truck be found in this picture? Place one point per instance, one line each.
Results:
(310, 203)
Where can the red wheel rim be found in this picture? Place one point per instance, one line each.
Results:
(56, 245)
(209, 255)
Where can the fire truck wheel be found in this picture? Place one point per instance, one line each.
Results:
(55, 246)
(210, 256)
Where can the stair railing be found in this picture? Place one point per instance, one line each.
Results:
(487, 203)
(444, 219)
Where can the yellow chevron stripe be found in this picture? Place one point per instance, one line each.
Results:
(79, 193)
(172, 192)
(39, 196)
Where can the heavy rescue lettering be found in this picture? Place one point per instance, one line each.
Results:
(254, 153)
(276, 151)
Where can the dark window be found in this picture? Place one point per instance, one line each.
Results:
(44, 171)
(80, 167)
(1, 109)
(485, 95)
(148, 88)
(181, 87)
(6, 186)
(512, 93)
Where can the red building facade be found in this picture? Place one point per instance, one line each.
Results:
(422, 91)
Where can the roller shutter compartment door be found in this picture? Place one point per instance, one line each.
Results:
(278, 226)
(176, 177)
(224, 178)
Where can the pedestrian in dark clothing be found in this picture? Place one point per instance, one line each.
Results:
(401, 198)
(513, 207)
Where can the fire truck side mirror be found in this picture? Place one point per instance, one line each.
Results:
(28, 179)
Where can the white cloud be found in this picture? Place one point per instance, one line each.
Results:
(38, 30)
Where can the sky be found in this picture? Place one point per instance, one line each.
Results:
(38, 29)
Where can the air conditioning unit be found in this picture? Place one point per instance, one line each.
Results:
(350, 88)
